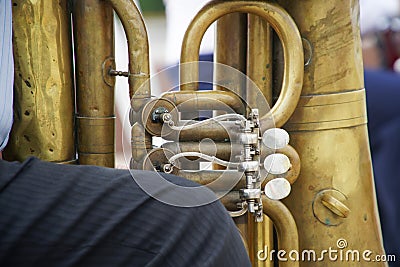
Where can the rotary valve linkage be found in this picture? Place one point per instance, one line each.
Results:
(251, 142)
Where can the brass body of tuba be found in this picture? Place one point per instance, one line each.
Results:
(305, 58)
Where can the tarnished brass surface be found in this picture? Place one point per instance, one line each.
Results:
(342, 164)
(332, 28)
(223, 150)
(43, 87)
(259, 236)
(139, 73)
(97, 159)
(283, 221)
(138, 48)
(94, 46)
(215, 130)
(286, 228)
(332, 193)
(95, 135)
(287, 32)
(329, 111)
(259, 58)
(206, 100)
(328, 131)
(230, 49)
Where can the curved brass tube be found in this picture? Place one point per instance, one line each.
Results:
(287, 31)
(206, 100)
(223, 150)
(294, 171)
(294, 158)
(138, 47)
(215, 130)
(139, 73)
(286, 228)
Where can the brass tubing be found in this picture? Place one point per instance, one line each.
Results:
(259, 61)
(286, 228)
(205, 177)
(219, 178)
(231, 35)
(140, 144)
(294, 171)
(230, 200)
(330, 134)
(287, 32)
(139, 73)
(222, 150)
(259, 70)
(94, 51)
(205, 100)
(215, 130)
(138, 48)
(259, 238)
(43, 86)
(231, 38)
(294, 158)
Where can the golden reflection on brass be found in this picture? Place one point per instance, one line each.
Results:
(328, 130)
(43, 85)
(206, 100)
(139, 73)
(259, 58)
(286, 228)
(287, 32)
(94, 48)
(230, 49)
(321, 104)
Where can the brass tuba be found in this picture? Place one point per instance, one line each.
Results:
(305, 58)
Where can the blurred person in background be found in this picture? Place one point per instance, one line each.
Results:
(380, 33)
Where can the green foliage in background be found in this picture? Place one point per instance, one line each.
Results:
(152, 5)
